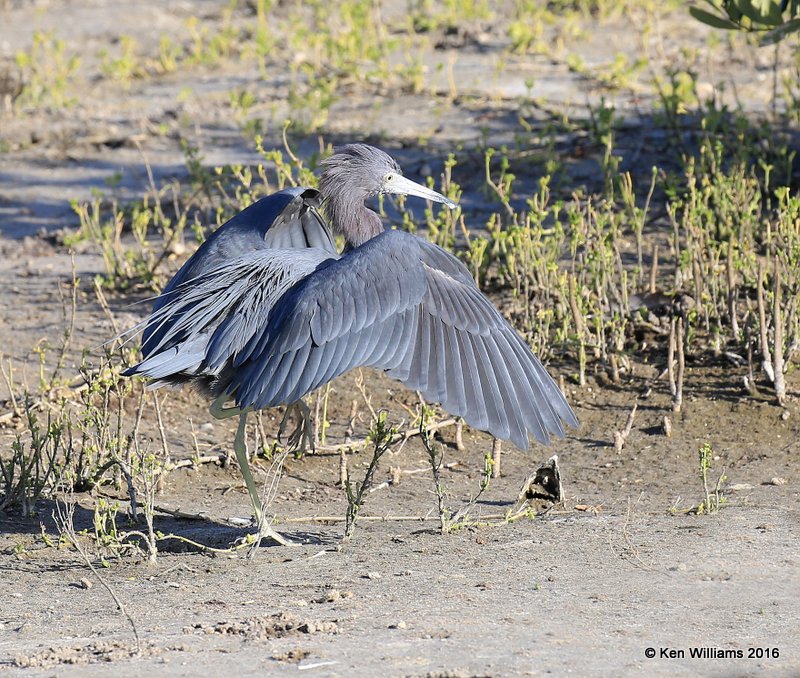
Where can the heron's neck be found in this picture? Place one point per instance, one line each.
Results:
(354, 220)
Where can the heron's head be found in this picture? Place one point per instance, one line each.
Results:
(358, 171)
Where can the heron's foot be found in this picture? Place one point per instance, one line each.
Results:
(300, 439)
(266, 532)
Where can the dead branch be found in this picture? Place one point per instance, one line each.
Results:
(63, 517)
(497, 451)
(762, 324)
(621, 436)
(397, 437)
(653, 270)
(777, 321)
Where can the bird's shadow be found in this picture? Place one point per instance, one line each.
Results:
(198, 534)
(593, 442)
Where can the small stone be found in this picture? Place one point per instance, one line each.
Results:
(398, 625)
(85, 583)
(740, 487)
(177, 248)
(705, 90)
(785, 415)
(373, 575)
(680, 567)
(208, 427)
(777, 480)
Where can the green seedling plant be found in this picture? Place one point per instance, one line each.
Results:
(713, 498)
(143, 471)
(526, 30)
(677, 93)
(38, 456)
(48, 72)
(435, 456)
(449, 521)
(382, 436)
(124, 67)
(442, 223)
(209, 47)
(107, 537)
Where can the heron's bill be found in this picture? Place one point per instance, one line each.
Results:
(400, 185)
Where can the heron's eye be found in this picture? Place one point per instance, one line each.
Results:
(389, 177)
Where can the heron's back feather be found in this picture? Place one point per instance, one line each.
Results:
(226, 289)
(287, 219)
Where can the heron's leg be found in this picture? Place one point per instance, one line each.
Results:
(300, 438)
(240, 447)
(219, 411)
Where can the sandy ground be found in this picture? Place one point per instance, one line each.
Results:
(586, 588)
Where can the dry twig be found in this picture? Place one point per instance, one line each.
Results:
(63, 517)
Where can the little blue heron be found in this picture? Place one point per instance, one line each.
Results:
(267, 310)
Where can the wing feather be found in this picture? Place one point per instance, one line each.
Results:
(473, 389)
(419, 368)
(397, 365)
(456, 395)
(508, 397)
(524, 393)
(386, 342)
(437, 387)
(498, 421)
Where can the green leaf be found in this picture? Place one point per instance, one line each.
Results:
(780, 33)
(711, 19)
(763, 12)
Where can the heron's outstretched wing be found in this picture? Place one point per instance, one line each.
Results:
(403, 305)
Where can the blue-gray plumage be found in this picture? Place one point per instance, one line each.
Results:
(267, 310)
